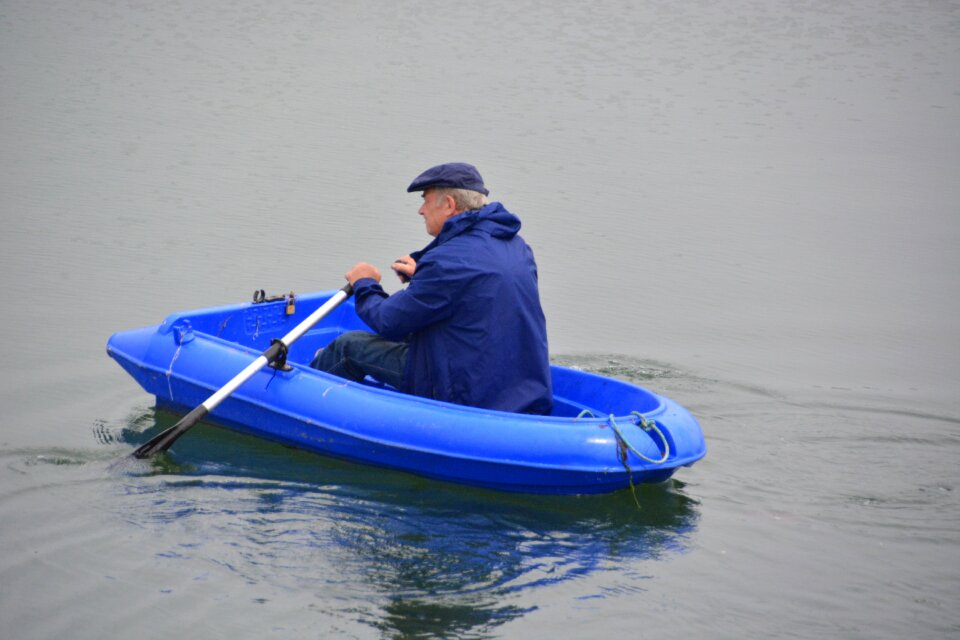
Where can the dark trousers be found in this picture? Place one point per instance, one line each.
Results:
(356, 354)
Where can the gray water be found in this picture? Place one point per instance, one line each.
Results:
(751, 207)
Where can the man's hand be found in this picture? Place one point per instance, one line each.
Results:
(362, 270)
(404, 267)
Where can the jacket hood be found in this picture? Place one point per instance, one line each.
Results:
(492, 218)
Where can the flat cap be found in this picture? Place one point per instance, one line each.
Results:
(456, 175)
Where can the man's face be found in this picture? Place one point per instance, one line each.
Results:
(434, 215)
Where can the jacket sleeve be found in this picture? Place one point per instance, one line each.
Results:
(428, 299)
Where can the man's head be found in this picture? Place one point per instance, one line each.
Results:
(448, 189)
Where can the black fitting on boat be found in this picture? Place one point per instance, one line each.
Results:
(261, 296)
(279, 361)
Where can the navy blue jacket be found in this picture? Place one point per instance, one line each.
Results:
(471, 315)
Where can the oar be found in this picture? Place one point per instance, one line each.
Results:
(162, 442)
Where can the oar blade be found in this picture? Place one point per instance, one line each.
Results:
(165, 440)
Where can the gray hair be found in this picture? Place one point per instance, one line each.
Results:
(464, 199)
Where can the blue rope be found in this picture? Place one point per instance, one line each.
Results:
(646, 425)
(643, 423)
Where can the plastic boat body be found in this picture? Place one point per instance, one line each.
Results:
(592, 443)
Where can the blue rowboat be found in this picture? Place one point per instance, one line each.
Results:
(603, 434)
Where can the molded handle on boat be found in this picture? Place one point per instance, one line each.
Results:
(165, 440)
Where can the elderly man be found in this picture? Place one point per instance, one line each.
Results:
(469, 327)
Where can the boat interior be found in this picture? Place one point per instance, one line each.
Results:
(253, 326)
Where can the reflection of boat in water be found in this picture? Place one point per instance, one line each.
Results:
(430, 559)
(603, 435)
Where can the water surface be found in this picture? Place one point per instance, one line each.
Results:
(749, 207)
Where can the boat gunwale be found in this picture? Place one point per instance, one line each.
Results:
(430, 402)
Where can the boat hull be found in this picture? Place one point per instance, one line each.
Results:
(581, 449)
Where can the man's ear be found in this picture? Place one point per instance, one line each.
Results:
(450, 202)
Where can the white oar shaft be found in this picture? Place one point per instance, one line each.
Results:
(314, 317)
(237, 380)
(262, 361)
